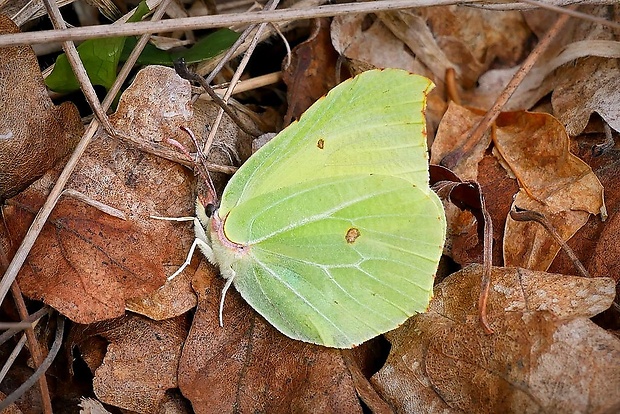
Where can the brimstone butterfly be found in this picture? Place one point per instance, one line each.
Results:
(330, 231)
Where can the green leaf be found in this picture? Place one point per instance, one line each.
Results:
(99, 56)
(205, 49)
(331, 231)
(209, 47)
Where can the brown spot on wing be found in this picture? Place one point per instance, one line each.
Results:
(352, 235)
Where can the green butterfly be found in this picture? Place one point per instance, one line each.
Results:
(330, 231)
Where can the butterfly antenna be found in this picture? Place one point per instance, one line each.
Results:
(202, 167)
(226, 286)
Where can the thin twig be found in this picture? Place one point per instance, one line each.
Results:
(215, 21)
(77, 66)
(47, 362)
(15, 327)
(8, 363)
(183, 71)
(230, 53)
(573, 13)
(530, 215)
(168, 154)
(33, 346)
(271, 4)
(487, 265)
(248, 84)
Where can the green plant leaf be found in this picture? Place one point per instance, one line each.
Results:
(99, 56)
(205, 49)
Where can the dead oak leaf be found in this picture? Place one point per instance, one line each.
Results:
(545, 355)
(34, 134)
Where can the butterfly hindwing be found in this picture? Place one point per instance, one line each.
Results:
(338, 261)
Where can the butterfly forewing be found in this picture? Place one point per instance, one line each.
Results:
(373, 123)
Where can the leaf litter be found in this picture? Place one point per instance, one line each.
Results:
(545, 353)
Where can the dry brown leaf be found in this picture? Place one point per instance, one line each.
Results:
(155, 105)
(554, 182)
(312, 72)
(545, 355)
(590, 86)
(534, 148)
(174, 298)
(34, 134)
(462, 243)
(366, 41)
(11, 409)
(597, 245)
(86, 263)
(248, 366)
(141, 361)
(413, 32)
(465, 39)
(456, 124)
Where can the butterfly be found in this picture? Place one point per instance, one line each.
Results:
(330, 231)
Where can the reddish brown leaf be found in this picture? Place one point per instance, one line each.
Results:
(86, 263)
(34, 134)
(312, 72)
(248, 366)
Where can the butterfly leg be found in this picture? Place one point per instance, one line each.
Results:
(229, 280)
(203, 247)
(201, 240)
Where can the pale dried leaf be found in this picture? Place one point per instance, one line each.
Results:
(92, 406)
(364, 39)
(466, 39)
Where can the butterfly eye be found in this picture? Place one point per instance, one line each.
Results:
(210, 209)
